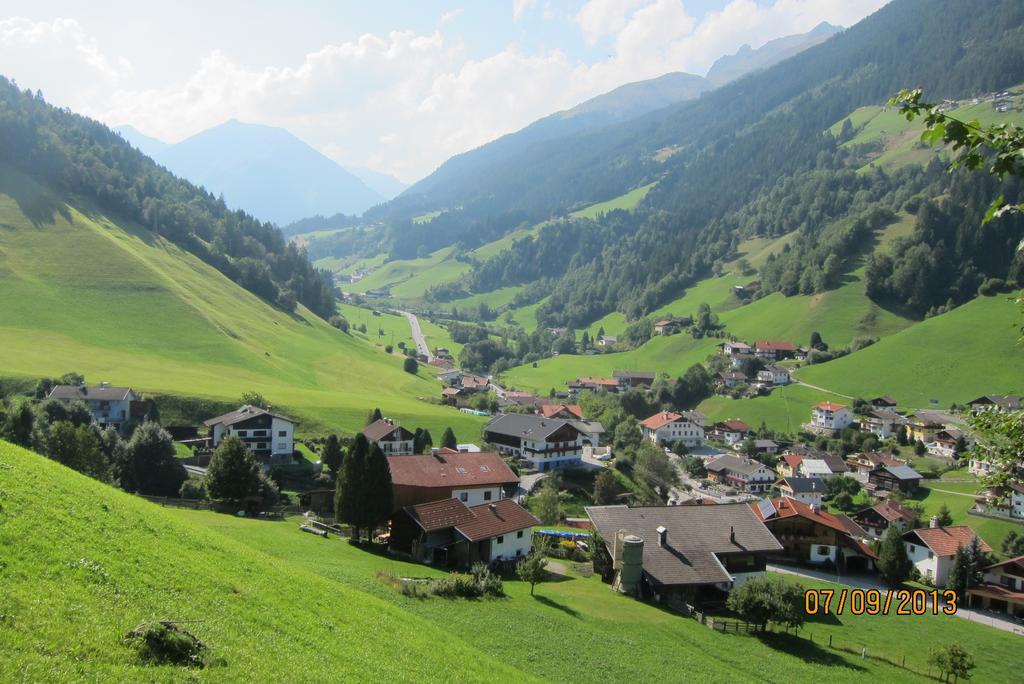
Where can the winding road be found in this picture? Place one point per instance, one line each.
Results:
(417, 335)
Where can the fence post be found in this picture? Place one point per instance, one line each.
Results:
(830, 641)
(863, 652)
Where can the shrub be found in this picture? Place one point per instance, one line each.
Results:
(165, 643)
(193, 488)
(388, 348)
(339, 322)
(411, 365)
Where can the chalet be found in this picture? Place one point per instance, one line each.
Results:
(668, 427)
(801, 353)
(630, 379)
(729, 379)
(883, 403)
(980, 467)
(864, 463)
(923, 426)
(392, 439)
(932, 549)
(835, 463)
(1005, 501)
(789, 465)
(1002, 589)
(901, 478)
(450, 533)
(731, 432)
(737, 361)
(688, 554)
(875, 520)
(546, 443)
(116, 407)
(474, 383)
(472, 478)
(774, 350)
(810, 534)
(594, 385)
(671, 326)
(815, 467)
(564, 411)
(453, 396)
(882, 423)
(731, 348)
(808, 490)
(773, 375)
(945, 442)
(829, 416)
(995, 402)
(742, 474)
(606, 342)
(763, 446)
(269, 436)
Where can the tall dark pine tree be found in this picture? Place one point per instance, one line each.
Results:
(448, 439)
(379, 500)
(331, 456)
(349, 493)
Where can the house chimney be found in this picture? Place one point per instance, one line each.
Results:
(732, 534)
(662, 535)
(434, 450)
(494, 509)
(934, 522)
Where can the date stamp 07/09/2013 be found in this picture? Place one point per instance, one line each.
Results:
(879, 602)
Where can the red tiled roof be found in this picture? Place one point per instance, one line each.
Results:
(660, 420)
(944, 541)
(450, 469)
(450, 391)
(472, 381)
(997, 592)
(829, 406)
(437, 515)
(494, 519)
(892, 510)
(775, 345)
(551, 410)
(793, 460)
(786, 507)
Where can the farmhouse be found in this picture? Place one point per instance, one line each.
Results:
(472, 478)
(789, 465)
(743, 474)
(931, 549)
(1003, 501)
(1002, 590)
(923, 426)
(808, 490)
(883, 403)
(269, 436)
(594, 385)
(830, 417)
(774, 350)
(875, 520)
(116, 407)
(671, 326)
(730, 348)
(901, 478)
(630, 379)
(683, 554)
(729, 379)
(731, 432)
(738, 361)
(546, 443)
(392, 439)
(863, 463)
(773, 375)
(810, 534)
(450, 533)
(815, 467)
(995, 402)
(667, 427)
(882, 423)
(564, 411)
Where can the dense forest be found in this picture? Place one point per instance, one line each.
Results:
(750, 159)
(74, 154)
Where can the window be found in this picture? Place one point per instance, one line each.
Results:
(823, 551)
(261, 445)
(487, 495)
(282, 433)
(259, 433)
(463, 496)
(501, 539)
(931, 555)
(243, 433)
(519, 534)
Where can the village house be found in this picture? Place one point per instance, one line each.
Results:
(801, 353)
(630, 379)
(594, 385)
(739, 361)
(688, 555)
(1002, 590)
(789, 465)
(591, 430)
(729, 379)
(606, 342)
(980, 467)
(882, 423)
(450, 533)
(863, 463)
(774, 350)
(730, 348)
(667, 428)
(830, 417)
(671, 326)
(545, 443)
(1007, 502)
(808, 490)
(995, 402)
(810, 534)
(116, 407)
(883, 403)
(773, 375)
(875, 520)
(815, 467)
(269, 436)
(472, 478)
(731, 432)
(391, 438)
(564, 411)
(761, 447)
(900, 478)
(932, 549)
(923, 426)
(742, 474)
(945, 443)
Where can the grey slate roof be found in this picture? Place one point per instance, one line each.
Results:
(903, 472)
(695, 535)
(100, 393)
(528, 426)
(243, 413)
(806, 485)
(739, 465)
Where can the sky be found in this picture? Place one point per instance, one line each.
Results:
(398, 87)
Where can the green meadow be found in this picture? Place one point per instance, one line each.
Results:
(958, 497)
(626, 201)
(79, 292)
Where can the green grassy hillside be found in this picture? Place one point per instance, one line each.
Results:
(81, 292)
(91, 563)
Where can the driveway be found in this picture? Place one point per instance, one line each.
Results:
(417, 335)
(862, 582)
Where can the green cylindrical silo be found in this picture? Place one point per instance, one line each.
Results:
(632, 564)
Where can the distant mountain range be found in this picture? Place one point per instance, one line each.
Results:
(747, 60)
(267, 171)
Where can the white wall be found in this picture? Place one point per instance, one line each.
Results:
(282, 443)
(928, 567)
(818, 557)
(477, 495)
(511, 545)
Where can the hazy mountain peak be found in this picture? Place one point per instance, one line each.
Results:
(747, 59)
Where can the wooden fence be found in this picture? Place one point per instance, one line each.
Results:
(196, 504)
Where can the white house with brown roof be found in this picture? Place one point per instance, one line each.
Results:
(774, 350)
(547, 443)
(668, 427)
(115, 407)
(773, 375)
(471, 477)
(882, 423)
(269, 436)
(743, 474)
(391, 438)
(829, 415)
(1002, 590)
(932, 549)
(732, 431)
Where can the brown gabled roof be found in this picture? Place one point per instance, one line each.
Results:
(1013, 566)
(600, 382)
(696, 535)
(786, 507)
(663, 418)
(551, 410)
(494, 519)
(243, 413)
(892, 511)
(450, 469)
(944, 541)
(775, 345)
(733, 425)
(439, 515)
(380, 429)
(793, 460)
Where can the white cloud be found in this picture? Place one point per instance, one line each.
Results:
(404, 102)
(519, 8)
(450, 16)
